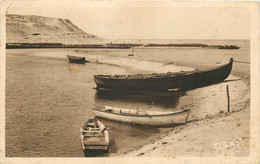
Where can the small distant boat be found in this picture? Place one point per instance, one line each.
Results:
(94, 135)
(229, 47)
(141, 117)
(76, 59)
(132, 54)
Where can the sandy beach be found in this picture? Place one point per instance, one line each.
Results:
(212, 131)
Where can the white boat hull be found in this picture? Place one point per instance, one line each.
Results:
(132, 117)
(93, 143)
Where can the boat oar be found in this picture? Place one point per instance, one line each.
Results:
(241, 62)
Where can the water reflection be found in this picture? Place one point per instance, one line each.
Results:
(163, 100)
(94, 153)
(120, 134)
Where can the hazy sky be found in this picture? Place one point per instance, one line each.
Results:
(144, 20)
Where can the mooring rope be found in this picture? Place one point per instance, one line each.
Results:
(241, 62)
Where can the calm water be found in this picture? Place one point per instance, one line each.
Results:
(48, 99)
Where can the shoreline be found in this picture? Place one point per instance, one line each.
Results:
(240, 107)
(208, 107)
(172, 140)
(161, 144)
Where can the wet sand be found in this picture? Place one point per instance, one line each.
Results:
(212, 131)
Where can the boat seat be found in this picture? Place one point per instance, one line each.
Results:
(91, 129)
(92, 125)
(142, 113)
(108, 110)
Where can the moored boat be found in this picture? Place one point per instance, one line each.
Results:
(228, 47)
(76, 59)
(94, 135)
(165, 81)
(141, 117)
(132, 54)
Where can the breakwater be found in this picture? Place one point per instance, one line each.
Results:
(111, 45)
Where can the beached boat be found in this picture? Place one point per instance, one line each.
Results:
(94, 135)
(140, 117)
(165, 81)
(76, 59)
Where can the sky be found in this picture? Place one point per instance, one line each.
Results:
(146, 20)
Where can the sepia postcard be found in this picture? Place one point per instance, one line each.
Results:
(129, 81)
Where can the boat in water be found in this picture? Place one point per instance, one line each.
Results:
(94, 135)
(76, 59)
(141, 117)
(183, 80)
(132, 54)
(228, 47)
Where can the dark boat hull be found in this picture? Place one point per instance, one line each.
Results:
(74, 59)
(229, 47)
(184, 80)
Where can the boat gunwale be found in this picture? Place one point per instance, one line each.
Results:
(157, 115)
(161, 124)
(83, 137)
(75, 57)
(82, 126)
(159, 75)
(94, 145)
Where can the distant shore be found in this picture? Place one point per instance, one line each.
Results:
(111, 45)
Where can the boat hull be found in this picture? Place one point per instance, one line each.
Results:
(146, 120)
(74, 59)
(183, 80)
(93, 142)
(96, 147)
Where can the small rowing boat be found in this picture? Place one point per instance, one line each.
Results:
(94, 135)
(141, 117)
(132, 54)
(76, 59)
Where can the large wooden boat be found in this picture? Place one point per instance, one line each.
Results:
(94, 135)
(165, 81)
(76, 59)
(140, 117)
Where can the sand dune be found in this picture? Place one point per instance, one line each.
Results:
(39, 29)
